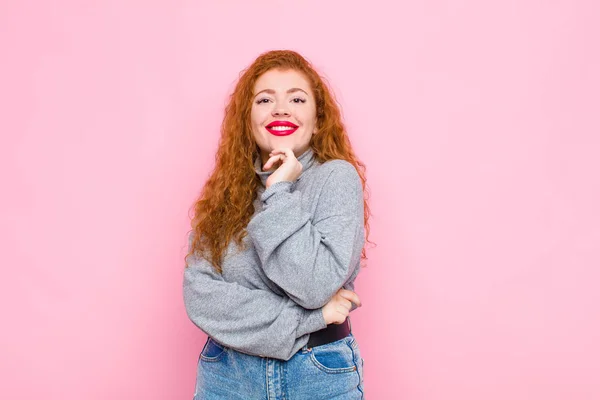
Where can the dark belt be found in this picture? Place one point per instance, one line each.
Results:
(329, 334)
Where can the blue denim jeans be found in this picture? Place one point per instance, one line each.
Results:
(329, 371)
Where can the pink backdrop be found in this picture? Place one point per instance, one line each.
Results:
(478, 122)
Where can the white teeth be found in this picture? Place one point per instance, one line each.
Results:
(281, 128)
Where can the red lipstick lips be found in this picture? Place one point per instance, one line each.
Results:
(281, 128)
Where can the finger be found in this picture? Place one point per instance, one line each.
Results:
(346, 304)
(347, 294)
(289, 153)
(282, 150)
(343, 311)
(346, 291)
(350, 295)
(285, 151)
(271, 161)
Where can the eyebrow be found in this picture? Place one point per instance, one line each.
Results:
(271, 91)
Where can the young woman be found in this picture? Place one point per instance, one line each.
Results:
(276, 243)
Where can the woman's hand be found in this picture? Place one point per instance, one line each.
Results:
(289, 168)
(338, 308)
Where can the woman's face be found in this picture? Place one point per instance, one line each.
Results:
(284, 112)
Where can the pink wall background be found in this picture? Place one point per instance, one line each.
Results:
(478, 122)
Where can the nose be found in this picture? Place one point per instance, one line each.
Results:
(279, 111)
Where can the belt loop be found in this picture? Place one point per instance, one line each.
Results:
(305, 349)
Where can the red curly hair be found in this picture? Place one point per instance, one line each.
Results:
(225, 205)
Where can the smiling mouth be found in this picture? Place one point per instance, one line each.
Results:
(281, 128)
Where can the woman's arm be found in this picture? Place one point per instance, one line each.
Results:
(253, 321)
(311, 258)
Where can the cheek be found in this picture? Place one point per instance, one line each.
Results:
(255, 114)
(257, 119)
(309, 117)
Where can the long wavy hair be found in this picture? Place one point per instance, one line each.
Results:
(225, 205)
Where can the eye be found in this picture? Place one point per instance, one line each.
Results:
(260, 101)
(299, 100)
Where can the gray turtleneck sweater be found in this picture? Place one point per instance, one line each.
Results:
(304, 243)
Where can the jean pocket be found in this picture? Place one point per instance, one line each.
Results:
(335, 357)
(212, 350)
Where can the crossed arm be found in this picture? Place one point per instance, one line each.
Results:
(254, 321)
(311, 258)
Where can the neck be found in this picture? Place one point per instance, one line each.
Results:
(264, 156)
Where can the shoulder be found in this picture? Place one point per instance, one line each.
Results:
(338, 168)
(340, 189)
(340, 173)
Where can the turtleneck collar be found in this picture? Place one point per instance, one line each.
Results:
(307, 159)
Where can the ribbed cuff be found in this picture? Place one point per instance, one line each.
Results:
(312, 321)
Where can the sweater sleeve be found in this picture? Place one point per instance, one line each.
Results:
(311, 257)
(252, 321)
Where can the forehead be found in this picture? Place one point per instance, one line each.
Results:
(282, 80)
